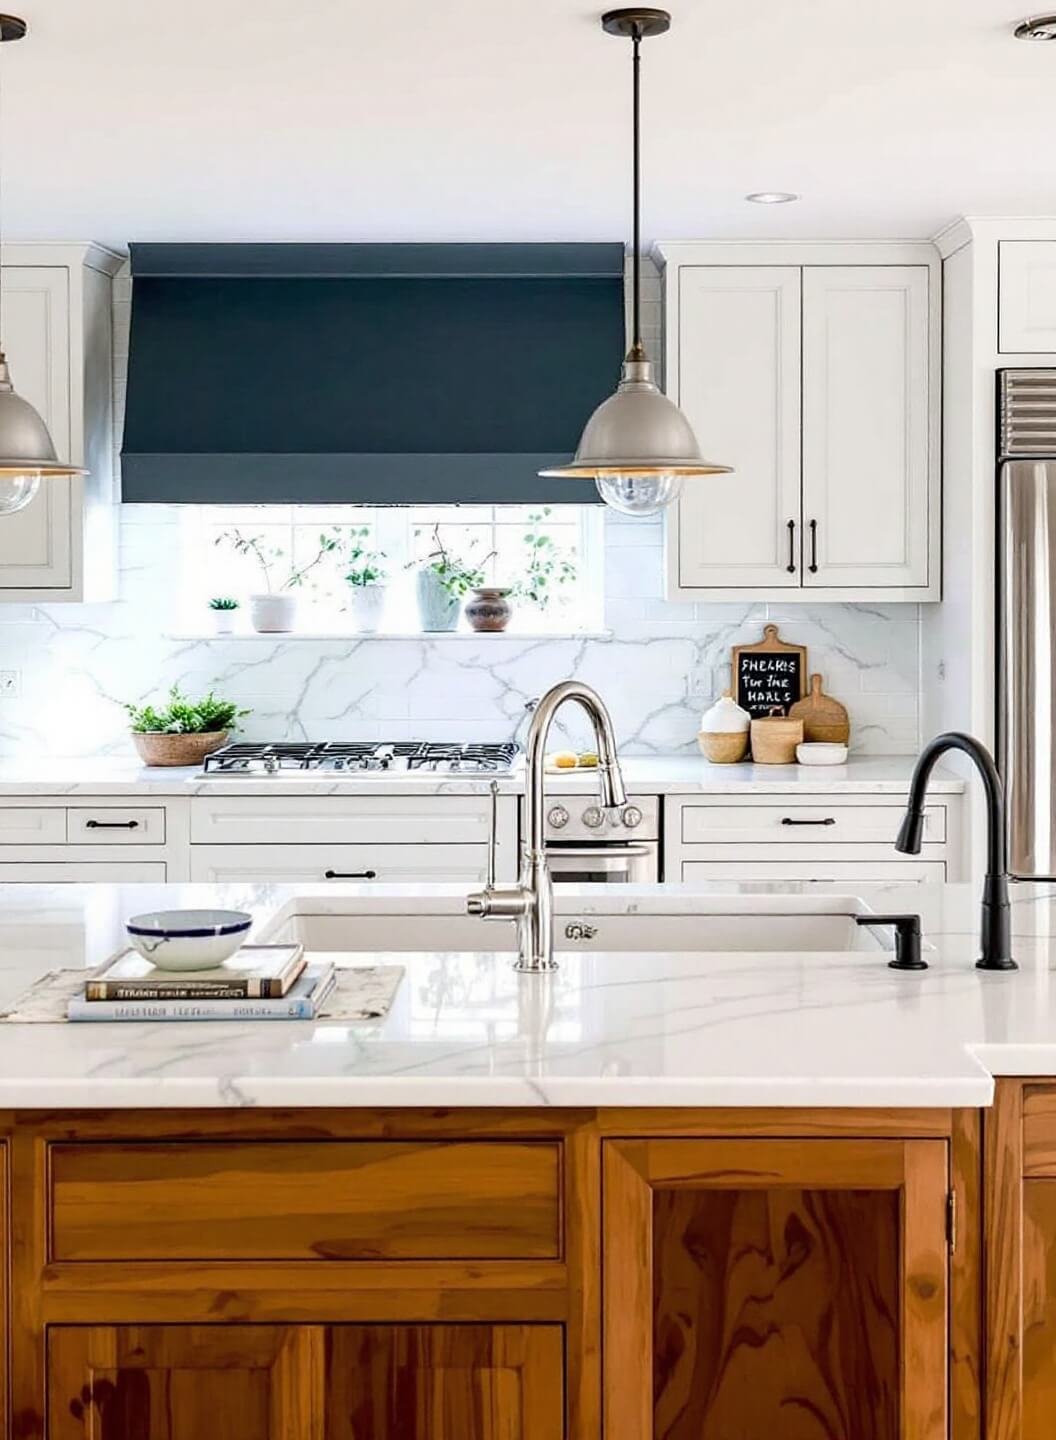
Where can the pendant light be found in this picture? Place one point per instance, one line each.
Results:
(27, 454)
(637, 446)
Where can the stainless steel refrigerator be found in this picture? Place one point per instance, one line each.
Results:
(1026, 616)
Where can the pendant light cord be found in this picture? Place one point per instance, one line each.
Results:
(637, 351)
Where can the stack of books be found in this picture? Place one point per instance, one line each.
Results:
(260, 982)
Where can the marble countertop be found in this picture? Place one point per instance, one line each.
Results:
(645, 774)
(610, 1028)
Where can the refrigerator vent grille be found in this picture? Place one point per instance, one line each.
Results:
(1027, 404)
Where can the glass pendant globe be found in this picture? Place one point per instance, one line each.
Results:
(16, 491)
(645, 494)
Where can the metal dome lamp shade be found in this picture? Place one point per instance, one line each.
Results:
(27, 454)
(638, 447)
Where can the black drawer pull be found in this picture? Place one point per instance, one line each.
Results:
(350, 874)
(111, 824)
(829, 820)
(813, 567)
(791, 566)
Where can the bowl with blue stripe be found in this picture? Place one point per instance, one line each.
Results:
(188, 939)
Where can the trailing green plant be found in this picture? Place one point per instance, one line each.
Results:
(224, 603)
(547, 567)
(182, 716)
(268, 556)
(457, 576)
(358, 564)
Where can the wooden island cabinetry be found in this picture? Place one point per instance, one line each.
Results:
(485, 1275)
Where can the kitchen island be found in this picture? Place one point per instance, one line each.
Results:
(664, 1193)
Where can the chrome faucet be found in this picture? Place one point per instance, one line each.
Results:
(996, 942)
(531, 901)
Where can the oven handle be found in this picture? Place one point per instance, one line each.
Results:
(613, 852)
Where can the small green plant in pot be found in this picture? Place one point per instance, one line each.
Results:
(274, 609)
(223, 609)
(444, 580)
(182, 731)
(363, 571)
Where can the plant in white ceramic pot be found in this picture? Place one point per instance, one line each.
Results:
(273, 610)
(224, 609)
(182, 731)
(444, 580)
(363, 571)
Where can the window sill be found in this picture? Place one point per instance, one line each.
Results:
(443, 635)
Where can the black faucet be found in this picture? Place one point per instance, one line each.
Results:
(997, 928)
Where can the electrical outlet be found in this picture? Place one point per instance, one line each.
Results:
(10, 684)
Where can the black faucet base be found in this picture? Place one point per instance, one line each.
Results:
(1000, 965)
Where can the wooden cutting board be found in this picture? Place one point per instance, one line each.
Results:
(823, 717)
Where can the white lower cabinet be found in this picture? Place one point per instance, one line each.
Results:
(83, 872)
(387, 864)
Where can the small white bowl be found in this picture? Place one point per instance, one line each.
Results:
(821, 752)
(188, 939)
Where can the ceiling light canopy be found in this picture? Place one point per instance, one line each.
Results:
(27, 454)
(638, 447)
(1038, 27)
(772, 197)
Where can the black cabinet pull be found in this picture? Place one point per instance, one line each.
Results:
(829, 820)
(111, 824)
(350, 874)
(791, 566)
(813, 547)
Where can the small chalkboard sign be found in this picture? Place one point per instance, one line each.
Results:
(769, 676)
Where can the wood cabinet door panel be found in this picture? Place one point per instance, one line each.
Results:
(273, 1382)
(793, 1288)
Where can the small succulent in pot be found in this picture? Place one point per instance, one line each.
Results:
(183, 731)
(363, 571)
(224, 609)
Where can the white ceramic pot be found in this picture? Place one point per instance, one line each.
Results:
(224, 621)
(366, 604)
(272, 614)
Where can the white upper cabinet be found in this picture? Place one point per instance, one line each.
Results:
(1027, 305)
(57, 334)
(866, 511)
(819, 382)
(739, 384)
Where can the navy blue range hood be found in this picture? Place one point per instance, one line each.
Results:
(366, 374)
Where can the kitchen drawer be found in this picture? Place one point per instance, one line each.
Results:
(798, 823)
(815, 871)
(342, 819)
(314, 1200)
(385, 863)
(113, 826)
(33, 825)
(82, 872)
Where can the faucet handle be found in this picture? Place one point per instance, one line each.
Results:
(907, 939)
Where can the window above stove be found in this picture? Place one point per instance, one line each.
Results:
(552, 559)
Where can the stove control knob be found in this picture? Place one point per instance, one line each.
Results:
(558, 817)
(632, 816)
(593, 817)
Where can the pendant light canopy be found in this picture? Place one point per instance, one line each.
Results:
(637, 446)
(27, 454)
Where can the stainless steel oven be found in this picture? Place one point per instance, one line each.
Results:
(586, 846)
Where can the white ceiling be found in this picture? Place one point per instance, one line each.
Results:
(508, 119)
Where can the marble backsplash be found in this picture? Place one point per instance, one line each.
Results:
(661, 665)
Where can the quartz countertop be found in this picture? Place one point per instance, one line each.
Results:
(645, 774)
(610, 1028)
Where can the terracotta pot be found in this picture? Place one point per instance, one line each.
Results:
(156, 748)
(489, 611)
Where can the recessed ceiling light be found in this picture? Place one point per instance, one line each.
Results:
(771, 197)
(1039, 27)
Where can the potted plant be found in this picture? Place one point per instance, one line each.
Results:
(223, 608)
(444, 580)
(183, 731)
(364, 573)
(274, 609)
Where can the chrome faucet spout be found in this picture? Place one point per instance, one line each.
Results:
(530, 902)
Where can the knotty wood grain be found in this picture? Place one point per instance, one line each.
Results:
(1003, 1262)
(283, 1200)
(966, 1275)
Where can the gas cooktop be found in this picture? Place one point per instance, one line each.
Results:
(358, 757)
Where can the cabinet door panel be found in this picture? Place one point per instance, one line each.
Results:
(35, 543)
(1027, 304)
(738, 382)
(793, 1288)
(866, 427)
(306, 1382)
